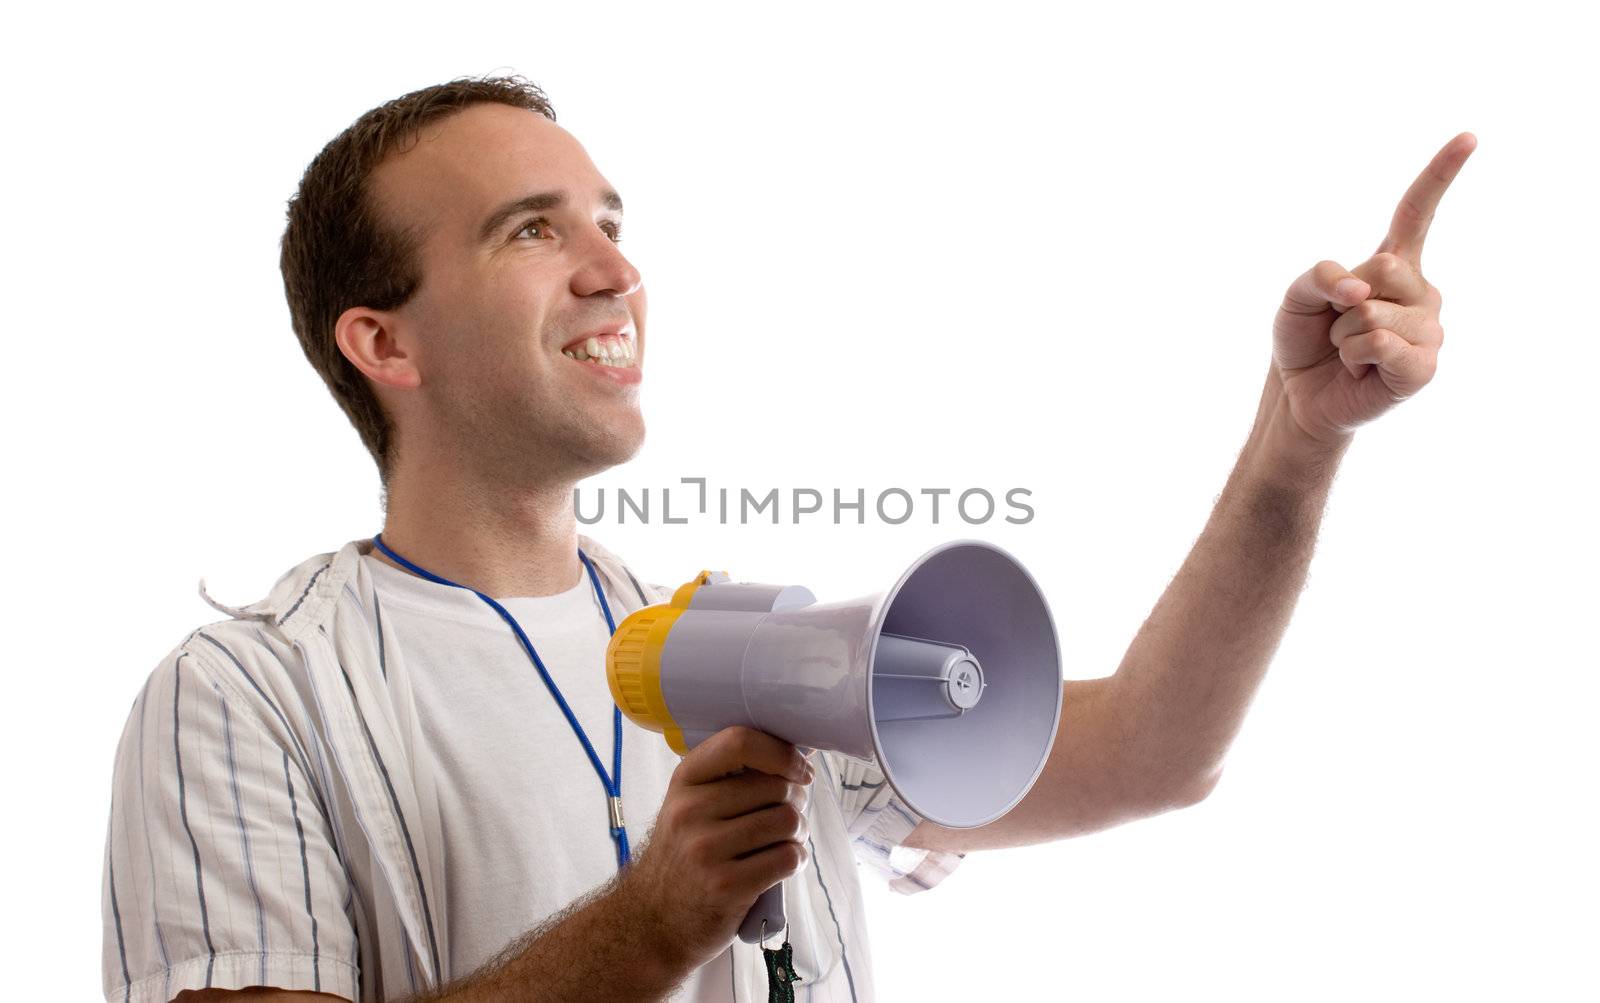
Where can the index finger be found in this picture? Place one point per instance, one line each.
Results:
(1415, 212)
(735, 748)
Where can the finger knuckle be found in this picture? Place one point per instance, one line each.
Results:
(1388, 265)
(746, 741)
(789, 817)
(793, 857)
(774, 789)
(1368, 312)
(781, 858)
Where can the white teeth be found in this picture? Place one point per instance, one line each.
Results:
(608, 352)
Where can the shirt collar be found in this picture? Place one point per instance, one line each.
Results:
(303, 596)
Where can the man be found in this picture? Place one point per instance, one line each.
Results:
(379, 782)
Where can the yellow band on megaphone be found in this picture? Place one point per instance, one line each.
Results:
(633, 663)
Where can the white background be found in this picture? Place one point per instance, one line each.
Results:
(979, 246)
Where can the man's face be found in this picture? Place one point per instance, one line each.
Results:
(508, 292)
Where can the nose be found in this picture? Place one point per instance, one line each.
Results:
(604, 268)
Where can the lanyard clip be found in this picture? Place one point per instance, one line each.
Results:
(616, 812)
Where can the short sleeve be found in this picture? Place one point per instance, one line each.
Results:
(878, 822)
(220, 870)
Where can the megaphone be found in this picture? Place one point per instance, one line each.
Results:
(950, 680)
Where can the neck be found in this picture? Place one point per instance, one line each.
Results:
(503, 542)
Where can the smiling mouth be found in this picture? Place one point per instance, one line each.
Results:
(607, 350)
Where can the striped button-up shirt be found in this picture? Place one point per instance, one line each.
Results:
(271, 825)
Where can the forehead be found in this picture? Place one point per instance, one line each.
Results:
(461, 168)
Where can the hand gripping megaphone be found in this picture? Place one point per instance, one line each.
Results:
(950, 680)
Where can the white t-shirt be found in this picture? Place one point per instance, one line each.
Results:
(525, 817)
(524, 814)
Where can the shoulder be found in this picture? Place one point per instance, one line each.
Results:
(243, 661)
(224, 685)
(242, 653)
(252, 660)
(256, 653)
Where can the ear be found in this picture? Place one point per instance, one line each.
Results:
(367, 338)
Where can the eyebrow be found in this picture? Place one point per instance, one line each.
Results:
(538, 202)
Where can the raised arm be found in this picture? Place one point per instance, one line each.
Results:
(1347, 346)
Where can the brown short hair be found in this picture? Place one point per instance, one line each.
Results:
(336, 253)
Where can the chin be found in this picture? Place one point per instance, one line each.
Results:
(622, 443)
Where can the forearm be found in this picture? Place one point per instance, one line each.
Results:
(602, 947)
(1183, 687)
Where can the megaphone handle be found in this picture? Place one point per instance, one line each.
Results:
(768, 907)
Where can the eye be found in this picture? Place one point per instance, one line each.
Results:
(612, 228)
(538, 221)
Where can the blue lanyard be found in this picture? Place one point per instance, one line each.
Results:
(619, 831)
